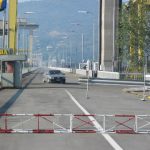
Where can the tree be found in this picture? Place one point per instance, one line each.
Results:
(134, 33)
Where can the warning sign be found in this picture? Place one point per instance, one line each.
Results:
(6, 51)
(3, 52)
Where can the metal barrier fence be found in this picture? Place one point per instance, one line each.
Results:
(69, 123)
(132, 76)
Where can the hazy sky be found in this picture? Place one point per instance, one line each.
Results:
(39, 0)
(27, 0)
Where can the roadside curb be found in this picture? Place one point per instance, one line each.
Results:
(138, 92)
(135, 90)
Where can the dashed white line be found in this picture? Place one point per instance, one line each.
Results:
(109, 139)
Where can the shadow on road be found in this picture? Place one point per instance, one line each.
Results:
(54, 86)
(11, 101)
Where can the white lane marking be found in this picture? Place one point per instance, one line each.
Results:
(124, 85)
(109, 139)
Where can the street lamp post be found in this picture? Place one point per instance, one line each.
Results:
(70, 48)
(93, 42)
(93, 30)
(82, 38)
(82, 47)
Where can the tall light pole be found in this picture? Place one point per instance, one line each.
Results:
(93, 31)
(99, 33)
(82, 47)
(93, 42)
(82, 38)
(70, 51)
(23, 38)
(70, 45)
(18, 34)
(48, 48)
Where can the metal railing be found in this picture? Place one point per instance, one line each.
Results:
(132, 76)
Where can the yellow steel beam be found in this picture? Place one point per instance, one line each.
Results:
(12, 24)
(147, 2)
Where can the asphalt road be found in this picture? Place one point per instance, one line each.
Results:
(38, 97)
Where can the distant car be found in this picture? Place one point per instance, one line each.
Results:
(54, 76)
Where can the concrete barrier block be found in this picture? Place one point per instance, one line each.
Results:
(81, 72)
(147, 77)
(108, 75)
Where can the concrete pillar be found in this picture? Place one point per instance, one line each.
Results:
(30, 45)
(18, 74)
(108, 31)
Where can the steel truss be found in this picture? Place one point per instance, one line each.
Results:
(69, 123)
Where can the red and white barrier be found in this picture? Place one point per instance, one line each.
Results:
(69, 123)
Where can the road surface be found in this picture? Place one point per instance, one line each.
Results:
(70, 98)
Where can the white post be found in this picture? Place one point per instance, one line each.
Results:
(87, 69)
(104, 124)
(71, 123)
(143, 98)
(136, 123)
(87, 88)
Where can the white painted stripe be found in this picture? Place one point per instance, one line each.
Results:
(110, 140)
(122, 85)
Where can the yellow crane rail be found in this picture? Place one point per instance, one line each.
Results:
(12, 24)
